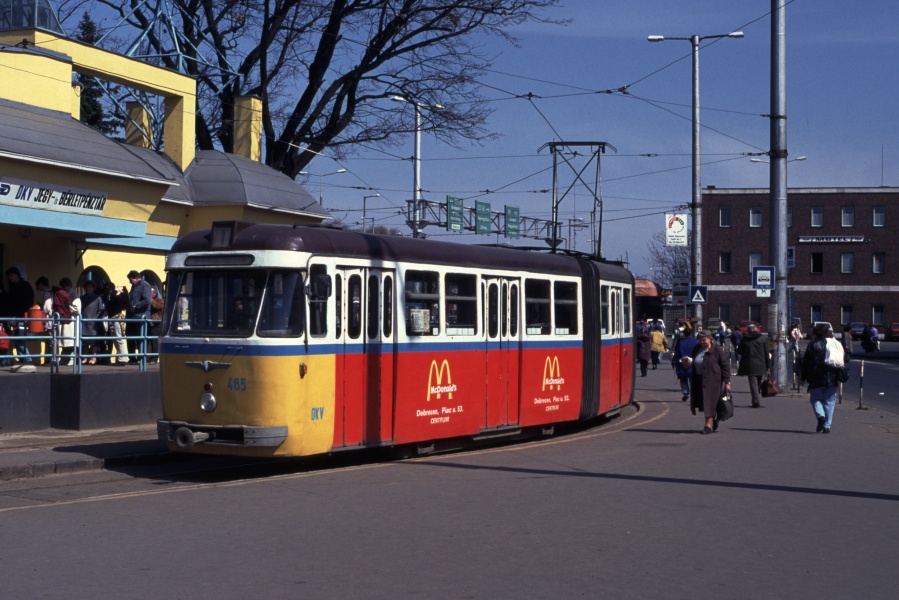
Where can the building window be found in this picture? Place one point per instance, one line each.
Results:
(789, 216)
(848, 218)
(755, 217)
(880, 216)
(755, 313)
(791, 258)
(879, 265)
(724, 216)
(817, 216)
(847, 262)
(724, 312)
(877, 315)
(755, 260)
(724, 265)
(817, 262)
(817, 311)
(847, 314)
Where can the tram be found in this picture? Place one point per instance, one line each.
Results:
(283, 340)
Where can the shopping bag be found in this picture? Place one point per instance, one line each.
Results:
(769, 388)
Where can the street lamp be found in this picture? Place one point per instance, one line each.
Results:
(416, 162)
(762, 160)
(321, 181)
(696, 254)
(364, 201)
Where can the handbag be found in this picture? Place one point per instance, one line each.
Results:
(725, 407)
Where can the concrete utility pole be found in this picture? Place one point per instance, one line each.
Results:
(777, 303)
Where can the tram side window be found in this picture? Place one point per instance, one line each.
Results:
(537, 307)
(422, 303)
(319, 292)
(388, 306)
(604, 316)
(354, 297)
(566, 307)
(374, 296)
(627, 311)
(461, 304)
(284, 309)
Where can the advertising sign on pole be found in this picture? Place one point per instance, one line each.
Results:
(676, 230)
(680, 289)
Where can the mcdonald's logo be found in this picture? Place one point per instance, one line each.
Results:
(552, 374)
(435, 380)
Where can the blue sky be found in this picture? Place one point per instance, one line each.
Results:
(842, 80)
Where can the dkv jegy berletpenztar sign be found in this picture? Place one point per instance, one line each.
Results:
(30, 194)
(676, 230)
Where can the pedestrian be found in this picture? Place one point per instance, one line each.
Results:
(659, 345)
(794, 337)
(644, 350)
(821, 378)
(91, 310)
(138, 308)
(875, 338)
(736, 336)
(867, 339)
(754, 361)
(20, 297)
(684, 349)
(116, 305)
(711, 379)
(846, 339)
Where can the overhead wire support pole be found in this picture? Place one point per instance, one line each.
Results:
(598, 148)
(777, 303)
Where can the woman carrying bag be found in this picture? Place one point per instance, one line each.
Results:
(711, 378)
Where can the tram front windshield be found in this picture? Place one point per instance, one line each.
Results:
(236, 303)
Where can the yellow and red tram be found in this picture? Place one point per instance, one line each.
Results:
(286, 340)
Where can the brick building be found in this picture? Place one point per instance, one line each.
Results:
(841, 254)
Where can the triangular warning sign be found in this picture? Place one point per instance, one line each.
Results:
(698, 297)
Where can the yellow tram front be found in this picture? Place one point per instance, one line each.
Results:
(239, 375)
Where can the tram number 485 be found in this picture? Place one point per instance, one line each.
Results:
(237, 384)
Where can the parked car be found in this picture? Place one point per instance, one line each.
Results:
(856, 329)
(892, 332)
(743, 326)
(812, 328)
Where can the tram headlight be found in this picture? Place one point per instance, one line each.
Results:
(208, 402)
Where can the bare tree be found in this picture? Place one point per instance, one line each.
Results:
(667, 261)
(325, 70)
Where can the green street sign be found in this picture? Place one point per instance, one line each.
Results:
(483, 222)
(453, 214)
(513, 222)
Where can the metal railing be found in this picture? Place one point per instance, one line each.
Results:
(56, 342)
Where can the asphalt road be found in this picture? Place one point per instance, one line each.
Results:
(641, 507)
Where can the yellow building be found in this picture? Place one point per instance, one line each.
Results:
(74, 203)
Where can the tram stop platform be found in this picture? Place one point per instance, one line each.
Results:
(775, 427)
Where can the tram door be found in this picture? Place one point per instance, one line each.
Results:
(613, 349)
(501, 307)
(365, 336)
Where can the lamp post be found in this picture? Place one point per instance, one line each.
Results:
(364, 203)
(696, 207)
(416, 162)
(321, 181)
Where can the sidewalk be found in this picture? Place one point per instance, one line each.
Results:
(54, 451)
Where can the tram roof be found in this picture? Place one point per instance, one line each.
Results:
(353, 244)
